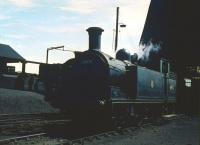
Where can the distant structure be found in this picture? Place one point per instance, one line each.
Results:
(8, 76)
(11, 79)
(8, 55)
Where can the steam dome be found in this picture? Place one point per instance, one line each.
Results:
(123, 54)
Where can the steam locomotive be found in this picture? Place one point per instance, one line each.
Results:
(94, 83)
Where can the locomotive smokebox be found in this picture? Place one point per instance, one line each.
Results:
(95, 38)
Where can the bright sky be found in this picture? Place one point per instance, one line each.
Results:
(31, 26)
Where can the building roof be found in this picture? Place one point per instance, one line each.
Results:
(8, 54)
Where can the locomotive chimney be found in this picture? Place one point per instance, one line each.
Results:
(95, 38)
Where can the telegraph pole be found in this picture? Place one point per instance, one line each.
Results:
(117, 24)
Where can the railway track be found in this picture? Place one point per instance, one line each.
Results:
(29, 123)
(7, 117)
(17, 139)
(44, 139)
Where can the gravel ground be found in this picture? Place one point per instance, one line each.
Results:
(178, 132)
(17, 102)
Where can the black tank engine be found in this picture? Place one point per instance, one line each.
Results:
(94, 82)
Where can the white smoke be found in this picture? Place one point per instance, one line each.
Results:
(145, 50)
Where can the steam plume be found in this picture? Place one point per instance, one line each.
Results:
(147, 49)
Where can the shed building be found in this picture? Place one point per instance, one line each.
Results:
(8, 55)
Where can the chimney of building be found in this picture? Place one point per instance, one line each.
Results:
(95, 38)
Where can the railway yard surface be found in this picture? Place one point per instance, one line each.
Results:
(177, 132)
(180, 131)
(26, 121)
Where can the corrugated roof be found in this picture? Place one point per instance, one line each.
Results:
(9, 54)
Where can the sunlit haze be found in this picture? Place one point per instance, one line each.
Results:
(32, 26)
